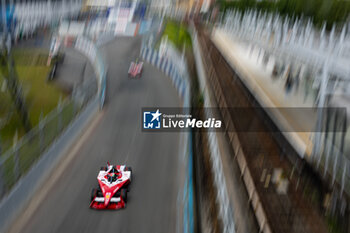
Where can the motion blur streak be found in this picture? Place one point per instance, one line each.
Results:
(151, 203)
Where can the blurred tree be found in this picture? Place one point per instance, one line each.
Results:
(323, 13)
(266, 5)
(320, 11)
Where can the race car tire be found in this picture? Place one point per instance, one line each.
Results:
(117, 194)
(124, 195)
(99, 193)
(130, 170)
(93, 193)
(128, 187)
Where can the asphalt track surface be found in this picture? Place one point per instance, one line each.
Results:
(117, 137)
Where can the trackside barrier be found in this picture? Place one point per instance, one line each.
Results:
(180, 81)
(90, 50)
(23, 166)
(18, 160)
(166, 65)
(225, 211)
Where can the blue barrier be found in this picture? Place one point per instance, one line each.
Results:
(181, 83)
(165, 65)
(103, 92)
(188, 195)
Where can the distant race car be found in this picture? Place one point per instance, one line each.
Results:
(113, 185)
(135, 69)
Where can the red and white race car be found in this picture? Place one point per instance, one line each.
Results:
(113, 185)
(135, 69)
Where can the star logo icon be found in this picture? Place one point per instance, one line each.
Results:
(156, 115)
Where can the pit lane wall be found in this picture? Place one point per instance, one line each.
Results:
(178, 73)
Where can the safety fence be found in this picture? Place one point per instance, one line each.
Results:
(18, 160)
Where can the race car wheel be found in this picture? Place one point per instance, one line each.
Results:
(93, 193)
(117, 194)
(128, 169)
(124, 195)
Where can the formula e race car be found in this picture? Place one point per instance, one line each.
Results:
(113, 185)
(135, 69)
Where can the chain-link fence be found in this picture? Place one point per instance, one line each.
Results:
(17, 161)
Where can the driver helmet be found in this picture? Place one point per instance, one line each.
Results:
(111, 176)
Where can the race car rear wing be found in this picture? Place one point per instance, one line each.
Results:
(102, 199)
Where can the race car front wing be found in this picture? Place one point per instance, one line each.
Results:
(114, 203)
